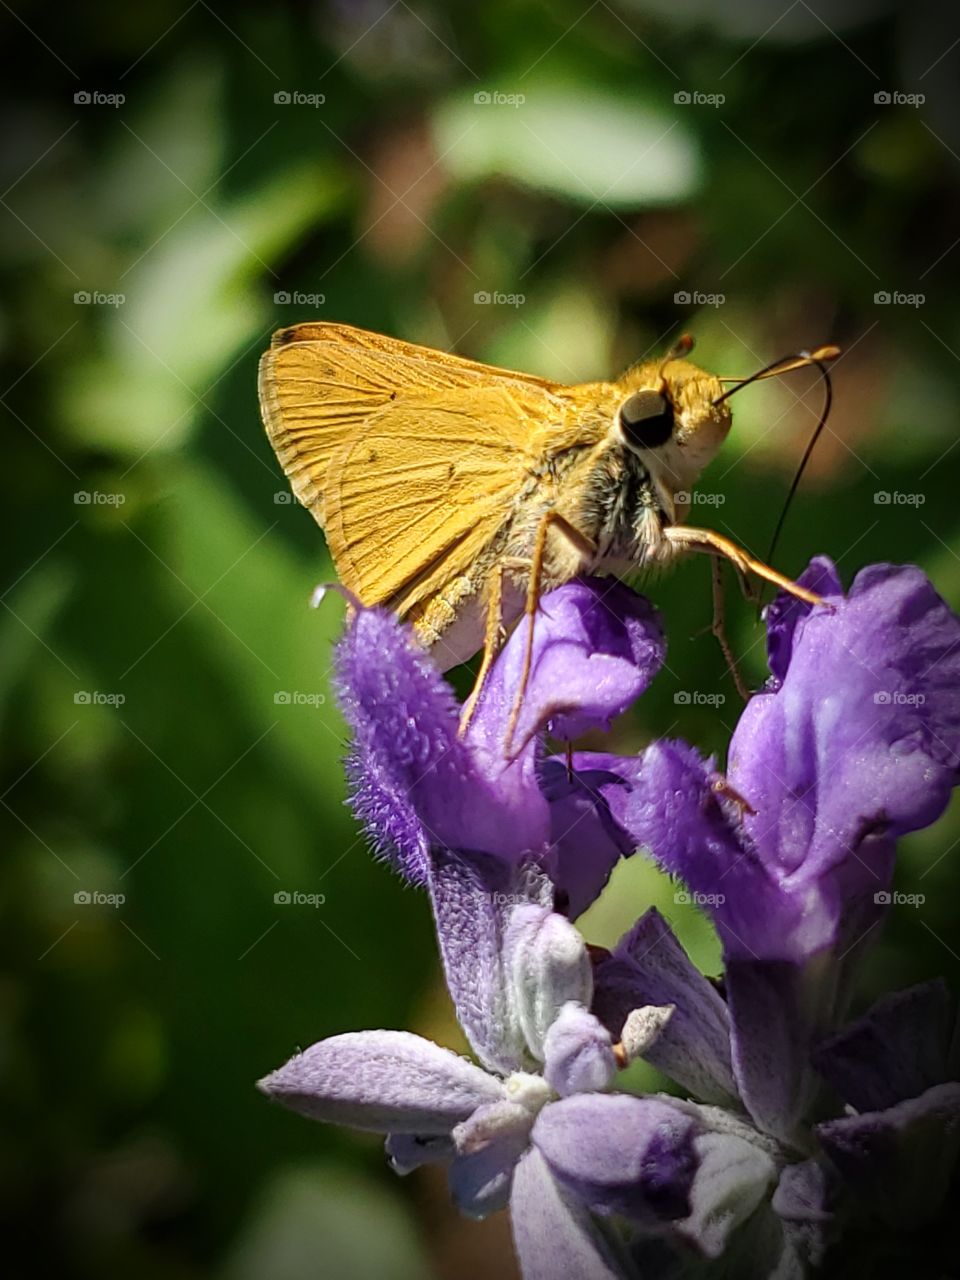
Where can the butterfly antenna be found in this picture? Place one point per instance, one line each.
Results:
(811, 445)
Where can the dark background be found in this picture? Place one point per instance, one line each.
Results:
(131, 1033)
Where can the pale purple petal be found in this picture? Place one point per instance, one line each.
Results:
(385, 1081)
(554, 1234)
(547, 966)
(897, 1050)
(899, 1162)
(578, 1053)
(621, 1154)
(472, 894)
(650, 967)
(733, 1177)
(488, 1146)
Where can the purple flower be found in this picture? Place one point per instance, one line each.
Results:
(535, 1126)
(897, 1070)
(417, 784)
(854, 742)
(791, 1123)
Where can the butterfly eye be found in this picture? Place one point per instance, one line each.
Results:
(646, 419)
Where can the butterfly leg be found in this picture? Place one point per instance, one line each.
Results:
(719, 629)
(716, 544)
(492, 641)
(585, 550)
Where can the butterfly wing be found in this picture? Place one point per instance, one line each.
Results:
(321, 383)
(422, 489)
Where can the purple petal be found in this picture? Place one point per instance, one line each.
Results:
(547, 966)
(776, 1008)
(733, 1177)
(785, 612)
(414, 780)
(385, 1081)
(897, 1050)
(586, 840)
(472, 894)
(597, 645)
(578, 1053)
(554, 1234)
(650, 967)
(621, 1154)
(863, 734)
(488, 1145)
(899, 1162)
(675, 811)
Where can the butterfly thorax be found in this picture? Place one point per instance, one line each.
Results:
(622, 510)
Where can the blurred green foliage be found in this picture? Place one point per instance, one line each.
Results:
(531, 151)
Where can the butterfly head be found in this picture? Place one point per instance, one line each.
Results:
(667, 414)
